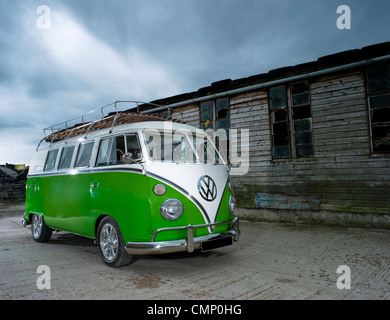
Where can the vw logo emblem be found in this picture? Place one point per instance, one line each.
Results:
(207, 188)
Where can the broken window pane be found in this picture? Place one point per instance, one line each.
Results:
(280, 127)
(280, 115)
(380, 115)
(381, 138)
(281, 140)
(383, 148)
(301, 112)
(222, 106)
(299, 87)
(380, 131)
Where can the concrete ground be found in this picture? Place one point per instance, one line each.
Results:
(271, 261)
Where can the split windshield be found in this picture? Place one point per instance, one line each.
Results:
(180, 147)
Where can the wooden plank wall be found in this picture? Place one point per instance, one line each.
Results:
(343, 173)
(189, 114)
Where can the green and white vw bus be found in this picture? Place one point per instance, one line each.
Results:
(136, 183)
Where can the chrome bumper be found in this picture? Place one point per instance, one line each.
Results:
(190, 244)
(25, 223)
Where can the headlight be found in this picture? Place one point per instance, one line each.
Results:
(232, 204)
(171, 209)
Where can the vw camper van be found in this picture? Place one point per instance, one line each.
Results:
(136, 183)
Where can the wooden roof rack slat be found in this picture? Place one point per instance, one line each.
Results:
(65, 131)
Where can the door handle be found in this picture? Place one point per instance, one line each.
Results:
(94, 185)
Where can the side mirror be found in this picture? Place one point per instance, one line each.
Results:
(128, 158)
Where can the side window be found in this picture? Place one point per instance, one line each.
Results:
(133, 146)
(84, 154)
(66, 157)
(50, 160)
(111, 151)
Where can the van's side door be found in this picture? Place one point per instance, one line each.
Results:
(68, 201)
(118, 186)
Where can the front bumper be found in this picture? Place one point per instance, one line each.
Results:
(190, 244)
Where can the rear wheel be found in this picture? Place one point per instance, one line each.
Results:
(39, 230)
(111, 244)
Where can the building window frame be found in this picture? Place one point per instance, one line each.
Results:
(291, 121)
(378, 102)
(214, 114)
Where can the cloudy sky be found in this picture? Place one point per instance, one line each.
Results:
(99, 51)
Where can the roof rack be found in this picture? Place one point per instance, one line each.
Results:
(87, 122)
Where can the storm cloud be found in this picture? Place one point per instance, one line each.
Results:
(97, 51)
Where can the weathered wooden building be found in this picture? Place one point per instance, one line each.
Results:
(319, 135)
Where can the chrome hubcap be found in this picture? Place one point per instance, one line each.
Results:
(37, 225)
(109, 242)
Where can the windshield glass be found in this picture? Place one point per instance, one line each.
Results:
(179, 147)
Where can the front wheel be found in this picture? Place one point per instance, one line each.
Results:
(111, 244)
(39, 230)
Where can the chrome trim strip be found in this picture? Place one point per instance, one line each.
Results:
(84, 171)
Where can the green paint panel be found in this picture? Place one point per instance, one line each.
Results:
(76, 203)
